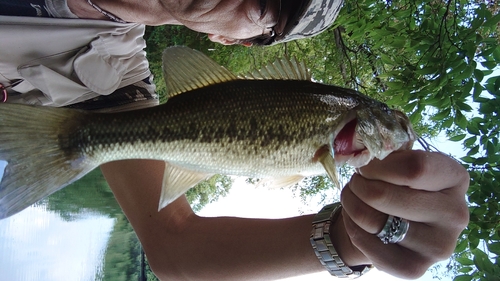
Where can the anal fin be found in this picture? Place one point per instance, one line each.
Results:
(176, 181)
(280, 182)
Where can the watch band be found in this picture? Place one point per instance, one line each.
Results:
(323, 247)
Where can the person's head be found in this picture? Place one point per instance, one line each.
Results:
(266, 22)
(304, 19)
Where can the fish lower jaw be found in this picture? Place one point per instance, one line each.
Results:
(355, 160)
(348, 147)
(362, 155)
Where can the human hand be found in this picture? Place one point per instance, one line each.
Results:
(426, 188)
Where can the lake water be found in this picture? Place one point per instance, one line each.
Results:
(79, 233)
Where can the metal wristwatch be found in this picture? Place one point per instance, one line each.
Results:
(323, 247)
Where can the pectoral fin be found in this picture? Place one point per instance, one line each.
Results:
(328, 162)
(176, 181)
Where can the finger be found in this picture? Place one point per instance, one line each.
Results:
(366, 217)
(433, 242)
(430, 241)
(430, 171)
(391, 258)
(415, 205)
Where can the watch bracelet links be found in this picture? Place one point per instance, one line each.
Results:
(323, 247)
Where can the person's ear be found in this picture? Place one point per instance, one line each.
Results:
(223, 40)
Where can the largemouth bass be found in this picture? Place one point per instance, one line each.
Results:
(275, 123)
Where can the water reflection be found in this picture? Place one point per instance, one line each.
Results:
(37, 244)
(78, 233)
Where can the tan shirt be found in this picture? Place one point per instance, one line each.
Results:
(65, 61)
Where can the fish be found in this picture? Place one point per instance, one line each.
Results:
(274, 123)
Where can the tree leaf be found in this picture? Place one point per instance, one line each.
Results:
(386, 59)
(463, 106)
(490, 148)
(458, 137)
(441, 114)
(478, 89)
(473, 128)
(464, 260)
(465, 269)
(496, 53)
(468, 159)
(482, 261)
(415, 117)
(478, 74)
(462, 278)
(470, 141)
(460, 120)
(473, 151)
(492, 21)
(481, 160)
(447, 122)
(427, 70)
(461, 246)
(489, 64)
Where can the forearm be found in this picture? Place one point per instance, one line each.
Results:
(183, 246)
(227, 248)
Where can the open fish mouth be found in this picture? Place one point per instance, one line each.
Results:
(357, 141)
(348, 146)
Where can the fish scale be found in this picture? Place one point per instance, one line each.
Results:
(220, 120)
(281, 128)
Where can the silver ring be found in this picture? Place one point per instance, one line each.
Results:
(394, 230)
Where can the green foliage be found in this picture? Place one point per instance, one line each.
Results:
(122, 259)
(160, 37)
(208, 191)
(322, 187)
(432, 60)
(423, 54)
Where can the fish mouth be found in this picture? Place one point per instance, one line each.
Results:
(357, 146)
(348, 146)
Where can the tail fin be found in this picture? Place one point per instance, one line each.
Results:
(31, 159)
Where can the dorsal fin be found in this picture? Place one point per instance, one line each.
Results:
(281, 69)
(185, 69)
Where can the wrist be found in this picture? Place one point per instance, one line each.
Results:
(324, 222)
